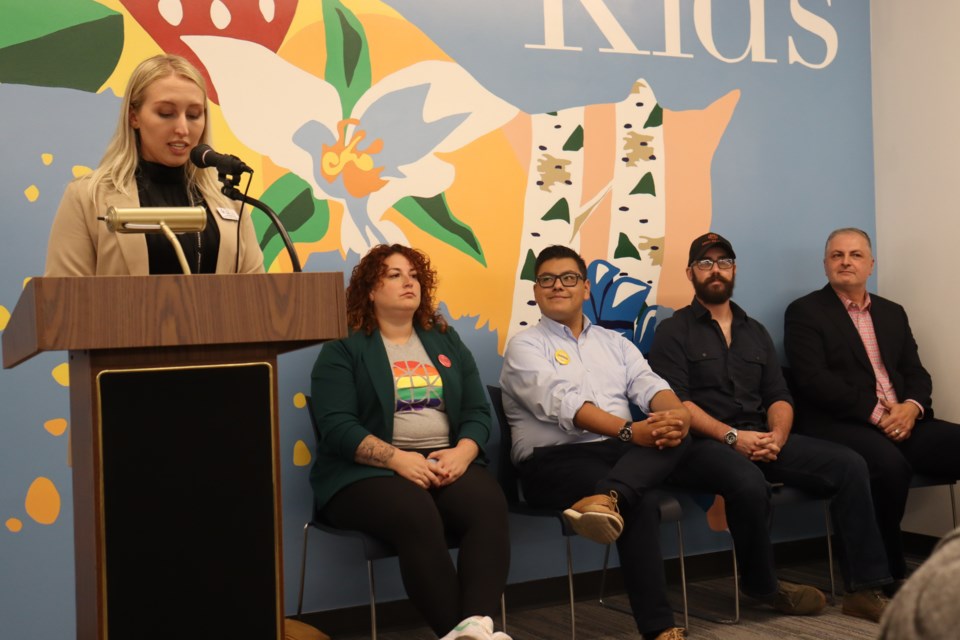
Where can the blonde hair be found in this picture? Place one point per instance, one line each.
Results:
(119, 163)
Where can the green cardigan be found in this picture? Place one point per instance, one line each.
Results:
(353, 397)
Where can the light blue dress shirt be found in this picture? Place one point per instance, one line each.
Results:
(548, 375)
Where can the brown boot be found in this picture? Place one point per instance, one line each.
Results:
(798, 599)
(867, 604)
(673, 633)
(596, 518)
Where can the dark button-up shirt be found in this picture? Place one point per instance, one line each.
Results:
(734, 384)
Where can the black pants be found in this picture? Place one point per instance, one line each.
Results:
(933, 448)
(556, 477)
(818, 467)
(413, 520)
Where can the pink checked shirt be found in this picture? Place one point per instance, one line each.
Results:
(860, 315)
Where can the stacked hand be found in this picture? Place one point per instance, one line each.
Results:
(662, 429)
(898, 420)
(439, 469)
(759, 446)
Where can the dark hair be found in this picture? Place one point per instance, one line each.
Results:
(366, 277)
(558, 252)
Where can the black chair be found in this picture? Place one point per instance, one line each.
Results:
(372, 547)
(670, 511)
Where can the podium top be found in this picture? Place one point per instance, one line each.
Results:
(289, 311)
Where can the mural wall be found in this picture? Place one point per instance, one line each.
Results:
(478, 131)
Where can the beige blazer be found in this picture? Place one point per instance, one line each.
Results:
(81, 245)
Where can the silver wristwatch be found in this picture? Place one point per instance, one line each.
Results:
(730, 437)
(626, 432)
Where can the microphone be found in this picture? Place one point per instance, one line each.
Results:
(204, 156)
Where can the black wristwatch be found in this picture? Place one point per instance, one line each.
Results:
(730, 437)
(626, 432)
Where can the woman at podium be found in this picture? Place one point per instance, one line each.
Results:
(162, 118)
(403, 419)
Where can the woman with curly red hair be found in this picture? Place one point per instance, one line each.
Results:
(403, 419)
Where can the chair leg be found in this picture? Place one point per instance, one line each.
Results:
(373, 600)
(683, 578)
(603, 585)
(953, 504)
(503, 612)
(736, 588)
(303, 568)
(833, 580)
(713, 617)
(573, 618)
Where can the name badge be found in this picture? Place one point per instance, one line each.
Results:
(228, 214)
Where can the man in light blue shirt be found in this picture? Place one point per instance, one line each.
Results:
(567, 385)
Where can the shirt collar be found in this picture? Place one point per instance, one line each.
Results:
(849, 304)
(561, 329)
(701, 313)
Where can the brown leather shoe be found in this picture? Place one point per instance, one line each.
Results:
(673, 633)
(798, 599)
(867, 604)
(596, 518)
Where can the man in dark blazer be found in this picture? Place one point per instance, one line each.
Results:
(859, 382)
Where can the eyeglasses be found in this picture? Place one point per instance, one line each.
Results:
(706, 264)
(568, 279)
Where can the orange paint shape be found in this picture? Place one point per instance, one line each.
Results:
(14, 524)
(690, 139)
(43, 501)
(56, 426)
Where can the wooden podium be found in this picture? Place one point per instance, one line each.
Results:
(175, 441)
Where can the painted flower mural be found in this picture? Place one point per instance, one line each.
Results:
(369, 155)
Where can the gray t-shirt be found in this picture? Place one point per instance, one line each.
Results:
(419, 421)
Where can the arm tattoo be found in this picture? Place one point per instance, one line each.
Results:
(374, 452)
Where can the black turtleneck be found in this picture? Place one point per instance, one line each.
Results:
(161, 186)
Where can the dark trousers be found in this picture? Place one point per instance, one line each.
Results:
(817, 467)
(556, 477)
(414, 521)
(933, 448)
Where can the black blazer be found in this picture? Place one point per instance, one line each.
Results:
(832, 373)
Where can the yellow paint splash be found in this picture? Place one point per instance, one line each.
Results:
(26, 280)
(46, 158)
(43, 501)
(32, 193)
(4, 317)
(61, 373)
(56, 426)
(299, 400)
(14, 525)
(301, 454)
(80, 170)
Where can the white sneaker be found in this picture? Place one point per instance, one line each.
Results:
(472, 628)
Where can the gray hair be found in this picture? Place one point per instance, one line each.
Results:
(837, 232)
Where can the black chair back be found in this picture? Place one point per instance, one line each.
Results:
(506, 472)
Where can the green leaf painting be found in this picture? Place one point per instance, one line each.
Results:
(625, 248)
(433, 216)
(305, 218)
(559, 211)
(575, 141)
(348, 61)
(646, 185)
(529, 271)
(59, 43)
(655, 119)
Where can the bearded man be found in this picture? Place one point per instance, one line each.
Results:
(723, 366)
